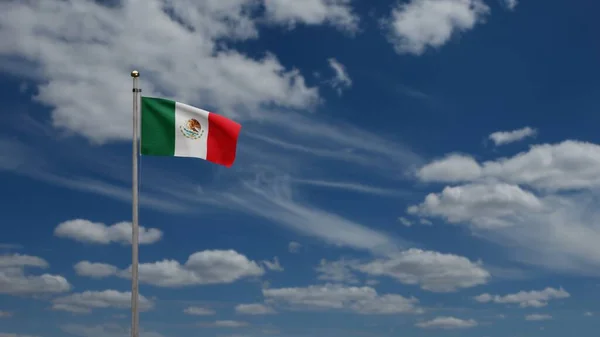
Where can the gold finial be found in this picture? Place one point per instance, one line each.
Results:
(135, 73)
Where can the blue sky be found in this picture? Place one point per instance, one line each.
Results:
(414, 168)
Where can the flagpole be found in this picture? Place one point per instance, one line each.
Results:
(134, 210)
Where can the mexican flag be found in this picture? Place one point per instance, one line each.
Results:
(171, 128)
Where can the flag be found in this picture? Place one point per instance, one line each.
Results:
(171, 128)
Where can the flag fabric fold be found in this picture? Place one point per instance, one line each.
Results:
(176, 129)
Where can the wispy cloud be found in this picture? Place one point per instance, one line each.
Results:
(265, 191)
(411, 92)
(353, 187)
(37, 164)
(341, 80)
(273, 199)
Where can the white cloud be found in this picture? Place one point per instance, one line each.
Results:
(405, 221)
(20, 260)
(95, 270)
(511, 4)
(59, 41)
(198, 311)
(352, 187)
(452, 168)
(433, 271)
(419, 24)
(568, 165)
(254, 309)
(534, 298)
(274, 266)
(542, 203)
(294, 247)
(226, 324)
(86, 301)
(352, 146)
(561, 234)
(363, 300)
(506, 137)
(15, 281)
(205, 267)
(488, 205)
(447, 323)
(334, 141)
(336, 271)
(341, 80)
(313, 12)
(272, 199)
(538, 317)
(99, 233)
(588, 314)
(564, 166)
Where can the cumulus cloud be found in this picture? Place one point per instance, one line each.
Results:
(430, 270)
(95, 270)
(452, 168)
(506, 137)
(534, 298)
(14, 280)
(420, 24)
(538, 317)
(205, 267)
(98, 233)
(254, 309)
(20, 260)
(568, 165)
(341, 79)
(564, 166)
(542, 203)
(198, 311)
(447, 323)
(489, 205)
(58, 41)
(362, 300)
(86, 301)
(313, 12)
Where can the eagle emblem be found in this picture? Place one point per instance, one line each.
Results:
(192, 129)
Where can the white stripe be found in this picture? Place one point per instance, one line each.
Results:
(185, 144)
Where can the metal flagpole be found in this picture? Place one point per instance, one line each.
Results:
(134, 223)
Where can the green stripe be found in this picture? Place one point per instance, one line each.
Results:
(158, 126)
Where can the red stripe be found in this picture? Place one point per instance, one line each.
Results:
(222, 140)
